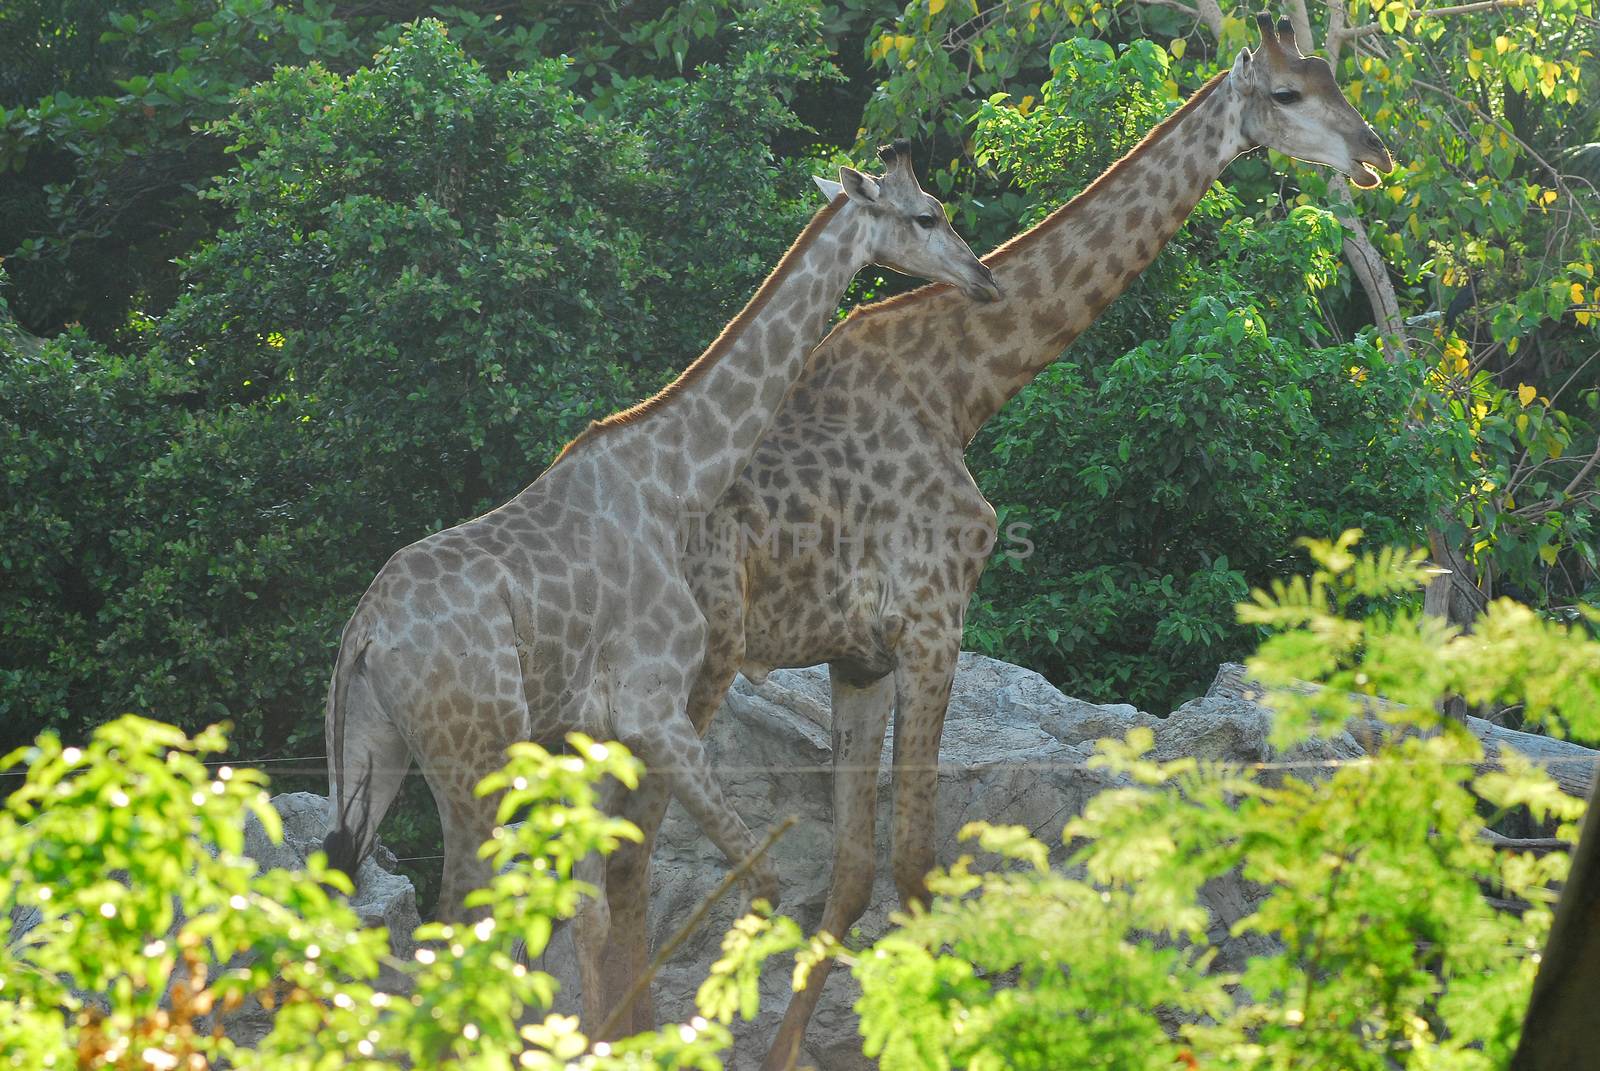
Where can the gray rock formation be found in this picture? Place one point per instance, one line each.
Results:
(1014, 751)
(382, 897)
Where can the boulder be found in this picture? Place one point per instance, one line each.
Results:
(382, 898)
(1014, 750)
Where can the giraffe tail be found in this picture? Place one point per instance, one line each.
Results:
(352, 804)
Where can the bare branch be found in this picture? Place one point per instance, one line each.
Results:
(1467, 9)
(1302, 25)
(1536, 845)
(641, 983)
(1372, 272)
(1583, 473)
(1370, 28)
(1206, 11)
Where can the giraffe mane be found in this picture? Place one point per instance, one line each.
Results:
(1005, 249)
(720, 345)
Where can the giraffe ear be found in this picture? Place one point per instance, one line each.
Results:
(830, 189)
(1242, 76)
(858, 187)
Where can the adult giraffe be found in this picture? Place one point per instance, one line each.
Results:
(867, 459)
(567, 608)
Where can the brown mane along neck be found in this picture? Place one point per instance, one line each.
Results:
(720, 345)
(999, 254)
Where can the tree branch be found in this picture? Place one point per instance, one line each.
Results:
(1367, 29)
(1302, 25)
(641, 983)
(1373, 273)
(1206, 11)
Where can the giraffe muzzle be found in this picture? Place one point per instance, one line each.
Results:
(1370, 160)
(983, 288)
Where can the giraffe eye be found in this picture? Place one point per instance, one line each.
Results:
(925, 221)
(1285, 96)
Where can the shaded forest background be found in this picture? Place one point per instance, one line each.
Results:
(288, 286)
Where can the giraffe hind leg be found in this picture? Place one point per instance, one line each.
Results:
(860, 719)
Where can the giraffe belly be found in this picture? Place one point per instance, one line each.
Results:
(848, 628)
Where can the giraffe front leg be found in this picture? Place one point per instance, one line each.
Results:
(922, 696)
(860, 716)
(628, 892)
(673, 748)
(628, 873)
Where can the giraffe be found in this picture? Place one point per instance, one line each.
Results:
(867, 455)
(566, 609)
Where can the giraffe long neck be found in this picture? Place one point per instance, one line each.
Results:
(1059, 276)
(697, 434)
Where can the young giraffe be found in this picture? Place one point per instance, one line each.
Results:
(869, 450)
(567, 609)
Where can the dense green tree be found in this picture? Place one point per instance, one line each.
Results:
(103, 109)
(429, 279)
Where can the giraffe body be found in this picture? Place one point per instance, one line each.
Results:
(567, 608)
(870, 449)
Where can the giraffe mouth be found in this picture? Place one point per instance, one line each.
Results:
(984, 288)
(1368, 163)
(1364, 175)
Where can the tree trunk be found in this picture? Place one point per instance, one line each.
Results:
(1561, 1031)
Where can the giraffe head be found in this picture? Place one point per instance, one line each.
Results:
(1293, 105)
(906, 227)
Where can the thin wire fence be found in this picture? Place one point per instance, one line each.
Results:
(1546, 761)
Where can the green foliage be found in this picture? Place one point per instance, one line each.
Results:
(103, 160)
(99, 157)
(1377, 946)
(104, 844)
(76, 426)
(148, 920)
(941, 60)
(1159, 486)
(1487, 226)
(430, 278)
(1492, 236)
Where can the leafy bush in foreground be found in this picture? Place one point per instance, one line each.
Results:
(105, 843)
(1385, 951)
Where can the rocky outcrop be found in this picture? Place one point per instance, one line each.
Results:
(382, 897)
(1015, 750)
